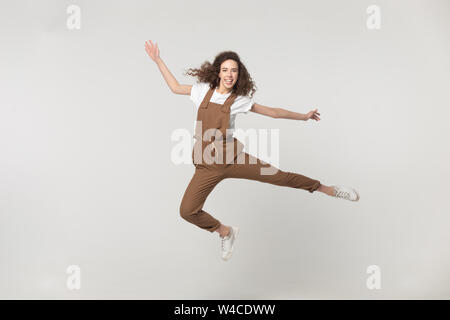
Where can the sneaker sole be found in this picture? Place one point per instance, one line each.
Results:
(228, 256)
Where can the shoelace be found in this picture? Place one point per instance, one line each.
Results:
(224, 239)
(343, 194)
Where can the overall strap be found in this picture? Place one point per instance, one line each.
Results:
(226, 107)
(207, 98)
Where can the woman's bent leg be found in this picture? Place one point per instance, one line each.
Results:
(200, 186)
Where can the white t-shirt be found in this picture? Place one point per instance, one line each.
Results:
(242, 104)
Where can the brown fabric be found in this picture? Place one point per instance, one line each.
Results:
(214, 145)
(238, 164)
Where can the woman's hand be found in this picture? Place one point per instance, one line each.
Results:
(312, 115)
(152, 50)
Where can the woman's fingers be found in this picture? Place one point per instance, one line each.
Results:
(149, 44)
(152, 47)
(315, 116)
(148, 47)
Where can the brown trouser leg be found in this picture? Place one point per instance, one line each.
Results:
(206, 177)
(202, 183)
(272, 175)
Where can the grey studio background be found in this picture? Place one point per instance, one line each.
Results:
(86, 176)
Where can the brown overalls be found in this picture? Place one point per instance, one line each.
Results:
(219, 156)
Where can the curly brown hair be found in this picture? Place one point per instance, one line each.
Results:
(209, 73)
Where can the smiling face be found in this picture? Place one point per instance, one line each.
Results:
(228, 74)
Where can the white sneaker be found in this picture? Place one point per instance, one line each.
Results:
(228, 243)
(346, 193)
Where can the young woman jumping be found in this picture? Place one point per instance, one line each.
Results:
(221, 93)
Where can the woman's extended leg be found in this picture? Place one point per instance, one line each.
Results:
(247, 166)
(252, 168)
(327, 190)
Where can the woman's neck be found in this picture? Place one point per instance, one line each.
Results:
(222, 90)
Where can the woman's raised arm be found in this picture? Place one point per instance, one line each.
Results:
(175, 87)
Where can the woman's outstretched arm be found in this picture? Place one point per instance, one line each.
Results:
(175, 87)
(280, 113)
